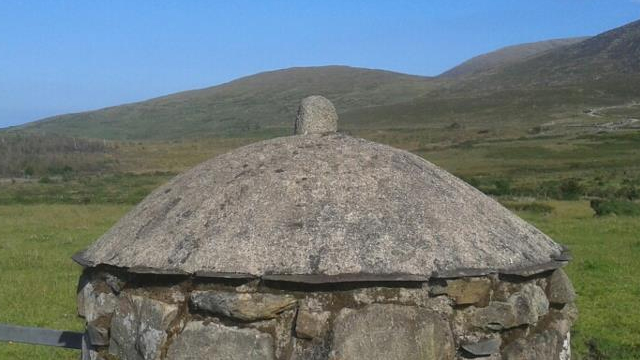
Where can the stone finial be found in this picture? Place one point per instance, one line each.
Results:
(316, 115)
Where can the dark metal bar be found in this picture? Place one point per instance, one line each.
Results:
(39, 336)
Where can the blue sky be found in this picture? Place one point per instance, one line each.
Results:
(66, 56)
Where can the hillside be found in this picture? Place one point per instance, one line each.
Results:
(610, 60)
(264, 103)
(532, 88)
(507, 55)
(557, 91)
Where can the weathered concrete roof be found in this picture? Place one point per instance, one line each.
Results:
(322, 208)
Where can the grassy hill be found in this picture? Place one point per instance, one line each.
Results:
(553, 92)
(531, 88)
(507, 55)
(264, 103)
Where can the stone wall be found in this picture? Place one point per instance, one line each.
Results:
(136, 317)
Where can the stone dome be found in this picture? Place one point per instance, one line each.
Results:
(322, 207)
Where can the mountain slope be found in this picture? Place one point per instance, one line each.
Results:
(261, 103)
(507, 55)
(555, 87)
(608, 58)
(550, 86)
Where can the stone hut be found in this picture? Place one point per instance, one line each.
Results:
(322, 246)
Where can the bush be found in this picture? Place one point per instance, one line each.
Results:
(503, 187)
(28, 171)
(548, 189)
(615, 207)
(571, 189)
(45, 180)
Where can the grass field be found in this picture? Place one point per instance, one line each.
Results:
(38, 279)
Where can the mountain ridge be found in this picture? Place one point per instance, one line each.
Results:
(507, 55)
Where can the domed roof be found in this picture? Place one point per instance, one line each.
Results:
(322, 207)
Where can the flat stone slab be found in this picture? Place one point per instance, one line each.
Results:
(466, 291)
(214, 341)
(483, 347)
(242, 306)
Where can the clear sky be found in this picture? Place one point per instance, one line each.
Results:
(66, 56)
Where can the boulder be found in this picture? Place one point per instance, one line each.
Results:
(214, 341)
(242, 306)
(139, 327)
(390, 332)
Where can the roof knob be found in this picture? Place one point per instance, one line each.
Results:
(316, 115)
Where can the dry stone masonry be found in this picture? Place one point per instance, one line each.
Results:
(183, 317)
(321, 246)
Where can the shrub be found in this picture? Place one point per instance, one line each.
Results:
(615, 207)
(28, 171)
(503, 187)
(571, 189)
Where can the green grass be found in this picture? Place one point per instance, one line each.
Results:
(604, 272)
(37, 276)
(119, 188)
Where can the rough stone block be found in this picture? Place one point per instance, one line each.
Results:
(312, 324)
(310, 349)
(94, 303)
(242, 306)
(522, 307)
(316, 115)
(98, 334)
(281, 329)
(466, 291)
(213, 341)
(550, 344)
(139, 327)
(390, 332)
(560, 290)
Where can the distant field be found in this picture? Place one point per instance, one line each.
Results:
(38, 279)
(599, 165)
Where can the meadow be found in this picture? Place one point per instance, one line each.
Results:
(548, 180)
